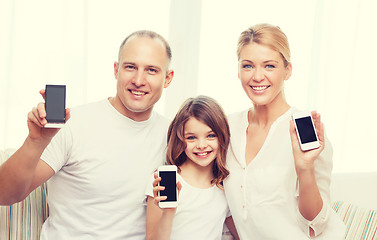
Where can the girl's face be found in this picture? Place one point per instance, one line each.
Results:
(262, 73)
(201, 141)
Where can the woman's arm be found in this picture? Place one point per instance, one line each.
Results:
(310, 202)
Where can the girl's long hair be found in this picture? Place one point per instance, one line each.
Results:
(208, 111)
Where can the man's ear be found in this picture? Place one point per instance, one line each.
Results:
(168, 78)
(116, 69)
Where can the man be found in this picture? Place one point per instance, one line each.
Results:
(98, 165)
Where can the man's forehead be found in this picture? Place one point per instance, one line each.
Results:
(145, 40)
(143, 50)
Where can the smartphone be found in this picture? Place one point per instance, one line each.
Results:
(55, 106)
(168, 174)
(306, 132)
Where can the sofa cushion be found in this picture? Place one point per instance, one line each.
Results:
(23, 220)
(361, 223)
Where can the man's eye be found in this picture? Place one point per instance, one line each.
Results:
(152, 70)
(129, 67)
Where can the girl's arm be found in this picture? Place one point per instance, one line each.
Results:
(159, 221)
(310, 202)
(232, 228)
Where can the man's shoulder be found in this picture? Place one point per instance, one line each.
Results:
(160, 118)
(87, 113)
(91, 106)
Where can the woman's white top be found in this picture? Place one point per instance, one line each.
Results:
(263, 196)
(200, 213)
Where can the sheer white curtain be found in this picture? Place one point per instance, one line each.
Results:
(72, 42)
(76, 42)
(333, 46)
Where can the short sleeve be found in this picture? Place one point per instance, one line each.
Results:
(149, 188)
(58, 151)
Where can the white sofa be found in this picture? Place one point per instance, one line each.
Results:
(354, 199)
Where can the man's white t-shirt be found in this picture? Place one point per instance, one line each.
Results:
(200, 212)
(102, 162)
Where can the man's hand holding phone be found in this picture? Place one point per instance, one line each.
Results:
(37, 120)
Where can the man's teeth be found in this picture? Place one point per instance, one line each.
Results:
(138, 93)
(259, 88)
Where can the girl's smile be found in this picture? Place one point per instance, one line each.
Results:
(201, 143)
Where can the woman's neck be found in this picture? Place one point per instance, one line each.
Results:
(265, 115)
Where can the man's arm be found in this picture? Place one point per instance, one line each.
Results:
(24, 170)
(22, 173)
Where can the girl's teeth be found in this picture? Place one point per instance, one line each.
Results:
(202, 154)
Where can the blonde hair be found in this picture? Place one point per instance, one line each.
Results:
(267, 35)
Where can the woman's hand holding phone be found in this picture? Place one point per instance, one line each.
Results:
(304, 160)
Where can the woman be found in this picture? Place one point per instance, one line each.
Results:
(275, 190)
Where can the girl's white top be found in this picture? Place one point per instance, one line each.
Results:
(200, 213)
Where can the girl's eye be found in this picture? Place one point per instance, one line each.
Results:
(212, 135)
(190, 138)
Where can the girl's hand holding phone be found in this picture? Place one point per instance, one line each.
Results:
(157, 188)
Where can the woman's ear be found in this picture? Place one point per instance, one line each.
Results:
(289, 71)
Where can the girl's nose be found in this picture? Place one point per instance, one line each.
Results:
(202, 143)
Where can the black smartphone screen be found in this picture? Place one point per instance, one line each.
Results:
(168, 180)
(55, 103)
(306, 130)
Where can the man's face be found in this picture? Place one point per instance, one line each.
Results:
(141, 75)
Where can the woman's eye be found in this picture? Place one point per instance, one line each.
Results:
(190, 138)
(269, 66)
(246, 66)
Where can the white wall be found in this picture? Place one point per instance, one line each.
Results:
(75, 42)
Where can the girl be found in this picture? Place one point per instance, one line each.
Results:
(275, 190)
(198, 139)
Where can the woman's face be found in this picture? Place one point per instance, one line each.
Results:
(262, 74)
